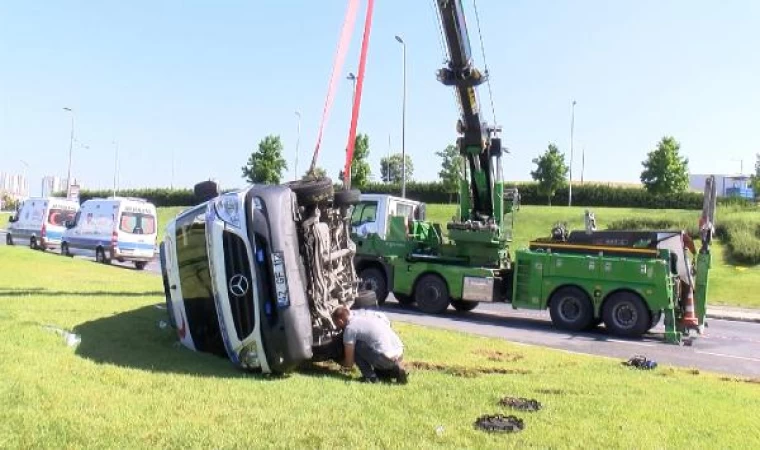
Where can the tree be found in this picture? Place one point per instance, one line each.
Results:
(266, 164)
(551, 172)
(756, 177)
(451, 168)
(390, 168)
(665, 171)
(360, 169)
(318, 173)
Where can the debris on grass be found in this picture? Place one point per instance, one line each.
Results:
(466, 371)
(520, 403)
(499, 423)
(71, 339)
(497, 356)
(551, 391)
(641, 362)
(741, 380)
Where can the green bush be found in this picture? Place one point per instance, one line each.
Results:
(159, 196)
(743, 238)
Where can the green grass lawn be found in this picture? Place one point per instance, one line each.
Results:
(730, 284)
(4, 219)
(129, 385)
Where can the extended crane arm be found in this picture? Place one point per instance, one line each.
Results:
(477, 143)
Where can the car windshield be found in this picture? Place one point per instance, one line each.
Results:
(59, 217)
(137, 223)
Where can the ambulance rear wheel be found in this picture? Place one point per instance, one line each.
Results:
(140, 265)
(100, 256)
(33, 243)
(8, 239)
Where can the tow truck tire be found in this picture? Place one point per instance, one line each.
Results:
(365, 299)
(656, 317)
(374, 280)
(347, 198)
(571, 309)
(431, 294)
(625, 314)
(464, 305)
(312, 191)
(8, 239)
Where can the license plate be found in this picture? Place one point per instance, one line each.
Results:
(280, 280)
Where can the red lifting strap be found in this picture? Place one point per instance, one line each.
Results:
(340, 56)
(358, 96)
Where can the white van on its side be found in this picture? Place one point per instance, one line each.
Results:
(40, 222)
(117, 228)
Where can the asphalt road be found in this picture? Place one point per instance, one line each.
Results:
(726, 347)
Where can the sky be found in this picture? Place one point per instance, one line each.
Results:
(187, 89)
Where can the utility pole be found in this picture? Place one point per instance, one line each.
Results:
(171, 185)
(572, 126)
(298, 142)
(115, 168)
(71, 148)
(583, 162)
(403, 119)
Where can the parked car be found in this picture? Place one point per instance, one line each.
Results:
(39, 222)
(117, 228)
(255, 274)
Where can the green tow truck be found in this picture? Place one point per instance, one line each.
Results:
(626, 279)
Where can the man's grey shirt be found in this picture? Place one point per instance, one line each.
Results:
(374, 329)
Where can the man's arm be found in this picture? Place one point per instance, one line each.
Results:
(348, 356)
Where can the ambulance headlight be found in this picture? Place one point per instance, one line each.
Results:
(227, 208)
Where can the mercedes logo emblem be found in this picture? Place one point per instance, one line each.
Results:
(239, 285)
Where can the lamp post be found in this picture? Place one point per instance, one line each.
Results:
(115, 167)
(352, 78)
(298, 142)
(570, 187)
(71, 148)
(403, 118)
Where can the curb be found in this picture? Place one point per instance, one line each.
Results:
(733, 318)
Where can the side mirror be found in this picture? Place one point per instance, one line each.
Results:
(420, 212)
(13, 219)
(206, 190)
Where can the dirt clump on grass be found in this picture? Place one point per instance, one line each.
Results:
(499, 423)
(497, 356)
(741, 380)
(465, 371)
(520, 403)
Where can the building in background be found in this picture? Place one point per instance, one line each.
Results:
(14, 186)
(52, 185)
(736, 185)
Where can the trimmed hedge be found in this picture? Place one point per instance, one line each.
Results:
(597, 195)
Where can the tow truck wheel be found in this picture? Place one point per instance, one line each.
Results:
(365, 299)
(656, 317)
(373, 279)
(571, 309)
(312, 191)
(464, 305)
(431, 294)
(626, 315)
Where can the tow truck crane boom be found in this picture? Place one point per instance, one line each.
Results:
(479, 144)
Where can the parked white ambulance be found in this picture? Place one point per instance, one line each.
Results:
(118, 228)
(40, 222)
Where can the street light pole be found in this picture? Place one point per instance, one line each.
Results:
(298, 142)
(351, 77)
(115, 168)
(572, 127)
(403, 119)
(71, 147)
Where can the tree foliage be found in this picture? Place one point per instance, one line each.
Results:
(360, 169)
(756, 177)
(390, 168)
(451, 168)
(266, 164)
(665, 171)
(316, 174)
(551, 172)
